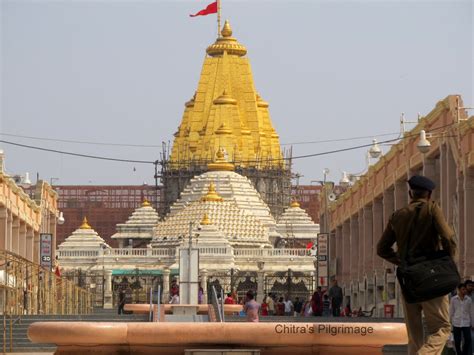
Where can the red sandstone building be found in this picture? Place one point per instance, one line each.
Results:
(103, 205)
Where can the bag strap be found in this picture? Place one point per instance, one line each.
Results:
(405, 253)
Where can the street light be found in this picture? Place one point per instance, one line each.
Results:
(424, 144)
(61, 219)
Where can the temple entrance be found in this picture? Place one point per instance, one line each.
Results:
(291, 283)
(240, 281)
(136, 284)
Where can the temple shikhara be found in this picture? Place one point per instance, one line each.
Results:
(227, 113)
(226, 187)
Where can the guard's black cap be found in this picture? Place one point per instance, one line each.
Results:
(418, 182)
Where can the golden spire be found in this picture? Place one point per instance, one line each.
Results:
(212, 195)
(295, 204)
(205, 220)
(85, 224)
(220, 163)
(226, 112)
(226, 43)
(146, 203)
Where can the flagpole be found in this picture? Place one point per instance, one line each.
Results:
(218, 18)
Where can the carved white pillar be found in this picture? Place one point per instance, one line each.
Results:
(108, 290)
(204, 286)
(166, 285)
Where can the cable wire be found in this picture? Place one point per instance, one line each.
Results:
(155, 162)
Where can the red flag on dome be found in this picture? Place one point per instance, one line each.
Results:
(210, 9)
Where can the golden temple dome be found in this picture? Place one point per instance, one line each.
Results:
(221, 163)
(85, 224)
(212, 195)
(146, 203)
(226, 43)
(205, 220)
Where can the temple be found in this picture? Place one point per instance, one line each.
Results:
(226, 112)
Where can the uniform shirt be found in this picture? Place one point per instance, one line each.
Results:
(430, 232)
(461, 312)
(271, 304)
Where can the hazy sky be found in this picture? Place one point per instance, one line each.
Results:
(120, 72)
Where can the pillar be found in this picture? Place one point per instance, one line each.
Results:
(401, 194)
(430, 170)
(468, 248)
(108, 290)
(346, 251)
(338, 247)
(458, 223)
(369, 245)
(443, 185)
(36, 247)
(354, 248)
(360, 259)
(30, 245)
(204, 285)
(166, 286)
(378, 227)
(3, 228)
(22, 239)
(9, 235)
(388, 209)
(15, 235)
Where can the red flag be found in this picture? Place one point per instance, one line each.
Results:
(57, 271)
(210, 9)
(309, 245)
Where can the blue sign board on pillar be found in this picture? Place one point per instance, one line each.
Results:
(322, 259)
(46, 250)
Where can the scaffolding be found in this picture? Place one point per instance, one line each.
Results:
(272, 181)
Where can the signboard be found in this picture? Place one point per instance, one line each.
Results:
(46, 250)
(322, 259)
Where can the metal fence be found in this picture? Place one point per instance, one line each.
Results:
(27, 288)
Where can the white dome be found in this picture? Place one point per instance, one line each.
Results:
(231, 187)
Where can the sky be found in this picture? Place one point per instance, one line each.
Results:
(119, 72)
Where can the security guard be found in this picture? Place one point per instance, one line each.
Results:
(431, 232)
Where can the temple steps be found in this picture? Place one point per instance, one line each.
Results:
(21, 343)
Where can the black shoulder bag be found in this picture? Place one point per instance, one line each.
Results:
(428, 276)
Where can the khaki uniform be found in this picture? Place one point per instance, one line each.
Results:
(430, 233)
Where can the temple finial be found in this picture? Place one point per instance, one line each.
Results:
(226, 30)
(212, 195)
(85, 224)
(220, 163)
(205, 220)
